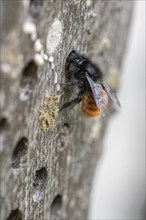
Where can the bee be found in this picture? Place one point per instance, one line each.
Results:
(93, 89)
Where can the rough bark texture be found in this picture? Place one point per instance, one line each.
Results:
(48, 175)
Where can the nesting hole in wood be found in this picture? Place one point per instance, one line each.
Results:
(64, 137)
(39, 184)
(56, 208)
(15, 215)
(3, 124)
(35, 7)
(66, 125)
(28, 80)
(37, 2)
(19, 155)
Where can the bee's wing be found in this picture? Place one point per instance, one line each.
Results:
(111, 94)
(97, 91)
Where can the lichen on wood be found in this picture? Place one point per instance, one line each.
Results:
(49, 112)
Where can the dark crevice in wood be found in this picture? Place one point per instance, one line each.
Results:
(35, 8)
(15, 215)
(36, 2)
(28, 80)
(56, 208)
(19, 155)
(3, 124)
(63, 137)
(39, 184)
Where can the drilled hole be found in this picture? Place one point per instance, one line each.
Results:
(3, 124)
(35, 7)
(63, 137)
(56, 208)
(28, 81)
(15, 215)
(66, 125)
(37, 2)
(39, 184)
(19, 156)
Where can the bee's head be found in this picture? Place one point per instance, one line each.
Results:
(72, 57)
(73, 62)
(79, 65)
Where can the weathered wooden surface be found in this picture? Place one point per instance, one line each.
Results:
(49, 175)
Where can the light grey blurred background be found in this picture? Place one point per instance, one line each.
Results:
(119, 185)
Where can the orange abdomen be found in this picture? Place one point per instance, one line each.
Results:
(89, 107)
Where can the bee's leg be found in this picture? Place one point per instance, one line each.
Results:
(73, 101)
(67, 104)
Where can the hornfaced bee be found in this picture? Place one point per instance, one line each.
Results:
(93, 90)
